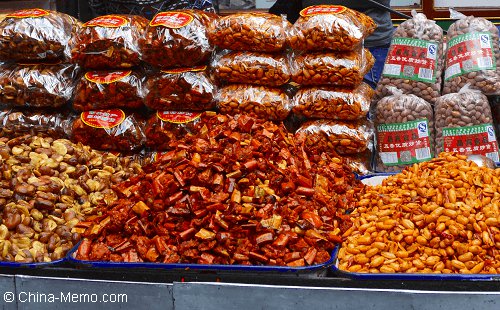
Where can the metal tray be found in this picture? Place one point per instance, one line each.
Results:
(32, 265)
(409, 276)
(313, 271)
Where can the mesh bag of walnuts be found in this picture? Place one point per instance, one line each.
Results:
(464, 124)
(109, 42)
(472, 56)
(36, 34)
(415, 60)
(178, 39)
(330, 27)
(404, 131)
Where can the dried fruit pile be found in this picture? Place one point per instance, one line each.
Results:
(238, 191)
(440, 216)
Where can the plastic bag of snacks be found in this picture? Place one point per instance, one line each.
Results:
(260, 101)
(360, 163)
(415, 60)
(180, 90)
(330, 27)
(37, 85)
(333, 103)
(252, 67)
(166, 127)
(109, 42)
(17, 123)
(178, 39)
(464, 124)
(472, 56)
(337, 137)
(256, 32)
(346, 69)
(98, 90)
(405, 131)
(36, 34)
(109, 130)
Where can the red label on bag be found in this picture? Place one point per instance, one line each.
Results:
(172, 19)
(472, 140)
(108, 21)
(102, 77)
(103, 118)
(184, 70)
(322, 9)
(177, 117)
(28, 13)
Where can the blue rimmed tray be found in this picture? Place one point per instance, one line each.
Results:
(409, 276)
(32, 265)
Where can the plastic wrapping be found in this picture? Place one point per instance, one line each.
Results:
(333, 103)
(16, 123)
(36, 34)
(330, 27)
(98, 90)
(415, 60)
(346, 69)
(109, 130)
(252, 67)
(167, 127)
(180, 89)
(37, 85)
(464, 124)
(178, 39)
(361, 163)
(405, 131)
(337, 137)
(256, 32)
(109, 42)
(260, 101)
(473, 56)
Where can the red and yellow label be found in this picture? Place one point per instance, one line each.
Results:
(322, 9)
(29, 13)
(108, 21)
(177, 117)
(184, 70)
(172, 19)
(103, 118)
(105, 77)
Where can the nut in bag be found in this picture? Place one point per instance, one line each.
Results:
(109, 130)
(330, 27)
(346, 69)
(252, 67)
(260, 101)
(36, 35)
(184, 89)
(98, 90)
(16, 123)
(333, 103)
(178, 39)
(109, 42)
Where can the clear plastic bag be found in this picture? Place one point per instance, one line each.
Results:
(252, 67)
(178, 39)
(15, 123)
(472, 56)
(404, 131)
(37, 85)
(333, 103)
(98, 90)
(346, 69)
(36, 35)
(464, 124)
(361, 163)
(337, 137)
(415, 60)
(109, 130)
(187, 89)
(256, 32)
(261, 101)
(109, 42)
(330, 27)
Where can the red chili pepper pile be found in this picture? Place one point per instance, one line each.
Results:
(239, 191)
